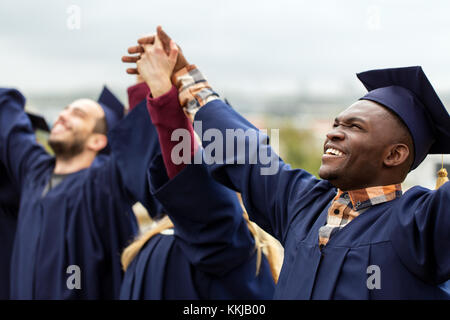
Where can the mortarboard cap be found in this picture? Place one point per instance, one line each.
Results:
(114, 109)
(408, 93)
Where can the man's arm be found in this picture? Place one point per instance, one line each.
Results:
(19, 151)
(268, 186)
(207, 217)
(420, 232)
(259, 201)
(272, 191)
(134, 143)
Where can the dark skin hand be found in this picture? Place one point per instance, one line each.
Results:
(165, 39)
(365, 148)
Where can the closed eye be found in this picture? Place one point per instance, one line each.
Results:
(351, 122)
(350, 125)
(78, 112)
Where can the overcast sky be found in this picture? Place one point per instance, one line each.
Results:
(255, 46)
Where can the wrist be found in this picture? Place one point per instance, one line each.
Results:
(194, 90)
(159, 87)
(137, 93)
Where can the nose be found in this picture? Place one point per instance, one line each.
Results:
(63, 115)
(335, 134)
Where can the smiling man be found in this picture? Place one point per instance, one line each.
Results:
(81, 124)
(74, 207)
(361, 135)
(352, 234)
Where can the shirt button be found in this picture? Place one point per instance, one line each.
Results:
(336, 211)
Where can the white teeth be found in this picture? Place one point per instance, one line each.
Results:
(333, 152)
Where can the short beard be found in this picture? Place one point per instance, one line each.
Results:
(66, 150)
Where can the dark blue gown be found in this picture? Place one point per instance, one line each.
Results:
(9, 206)
(408, 239)
(212, 254)
(83, 221)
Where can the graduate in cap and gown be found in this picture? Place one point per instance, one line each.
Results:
(398, 246)
(353, 234)
(203, 247)
(73, 220)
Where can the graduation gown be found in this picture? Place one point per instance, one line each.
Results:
(9, 206)
(395, 250)
(212, 253)
(68, 242)
(98, 161)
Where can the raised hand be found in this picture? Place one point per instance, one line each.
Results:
(136, 49)
(165, 40)
(156, 66)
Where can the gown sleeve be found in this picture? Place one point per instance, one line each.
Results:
(420, 232)
(273, 192)
(134, 143)
(19, 151)
(207, 217)
(137, 93)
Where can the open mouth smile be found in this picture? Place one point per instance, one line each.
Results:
(334, 152)
(59, 127)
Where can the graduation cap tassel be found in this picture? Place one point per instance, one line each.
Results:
(442, 175)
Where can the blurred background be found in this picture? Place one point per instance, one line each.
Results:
(287, 65)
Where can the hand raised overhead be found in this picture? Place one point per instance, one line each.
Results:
(156, 67)
(139, 49)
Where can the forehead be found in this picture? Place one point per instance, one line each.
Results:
(88, 106)
(365, 110)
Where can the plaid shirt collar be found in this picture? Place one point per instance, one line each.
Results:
(346, 206)
(367, 197)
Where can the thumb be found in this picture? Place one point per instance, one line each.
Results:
(165, 39)
(173, 52)
(158, 43)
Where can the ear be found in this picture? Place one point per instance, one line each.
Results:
(397, 154)
(96, 142)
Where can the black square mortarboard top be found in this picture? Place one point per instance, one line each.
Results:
(409, 94)
(113, 108)
(114, 111)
